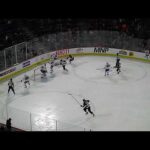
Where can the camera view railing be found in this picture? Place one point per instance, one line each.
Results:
(29, 121)
(71, 39)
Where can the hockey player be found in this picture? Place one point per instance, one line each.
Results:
(56, 62)
(51, 66)
(63, 63)
(71, 58)
(117, 60)
(107, 68)
(54, 57)
(44, 71)
(118, 67)
(147, 54)
(26, 80)
(11, 86)
(86, 107)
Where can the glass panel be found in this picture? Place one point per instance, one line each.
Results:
(21, 52)
(2, 61)
(10, 56)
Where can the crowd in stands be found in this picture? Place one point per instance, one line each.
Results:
(44, 35)
(13, 31)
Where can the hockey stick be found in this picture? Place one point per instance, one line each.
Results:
(103, 68)
(74, 98)
(100, 68)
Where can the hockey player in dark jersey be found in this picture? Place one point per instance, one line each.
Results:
(147, 54)
(54, 57)
(117, 60)
(71, 58)
(11, 86)
(118, 68)
(86, 107)
(63, 63)
(51, 66)
(107, 68)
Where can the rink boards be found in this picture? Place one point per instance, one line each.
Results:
(94, 51)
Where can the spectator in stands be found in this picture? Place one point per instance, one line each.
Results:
(8, 124)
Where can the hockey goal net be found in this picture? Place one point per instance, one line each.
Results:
(36, 73)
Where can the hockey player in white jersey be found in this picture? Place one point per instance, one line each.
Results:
(63, 63)
(57, 62)
(43, 71)
(26, 80)
(107, 68)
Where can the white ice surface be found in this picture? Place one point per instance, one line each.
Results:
(120, 102)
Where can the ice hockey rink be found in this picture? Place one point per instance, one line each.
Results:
(120, 102)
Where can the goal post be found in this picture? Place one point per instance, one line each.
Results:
(36, 72)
